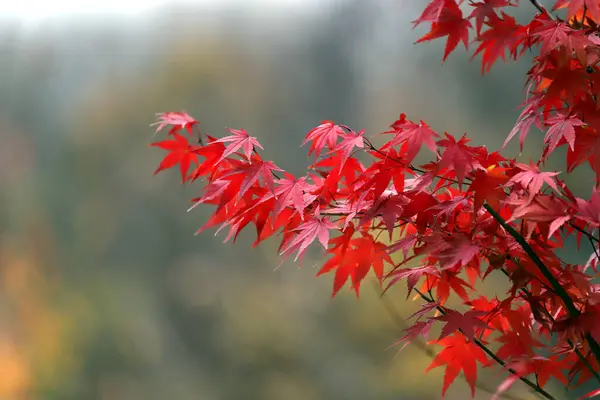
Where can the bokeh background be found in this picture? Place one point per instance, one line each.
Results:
(105, 292)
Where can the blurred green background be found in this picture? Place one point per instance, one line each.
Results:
(105, 291)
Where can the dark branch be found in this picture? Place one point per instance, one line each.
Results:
(540, 8)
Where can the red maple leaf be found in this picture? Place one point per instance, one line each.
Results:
(542, 367)
(412, 276)
(486, 11)
(531, 178)
(314, 228)
(349, 142)
(577, 6)
(179, 120)
(450, 250)
(467, 323)
(432, 12)
(420, 328)
(353, 258)
(587, 148)
(488, 187)
(325, 134)
(589, 211)
(255, 170)
(212, 152)
(561, 126)
(547, 211)
(529, 117)
(390, 168)
(292, 192)
(239, 140)
(551, 34)
(504, 33)
(180, 152)
(451, 23)
(457, 156)
(458, 354)
(414, 135)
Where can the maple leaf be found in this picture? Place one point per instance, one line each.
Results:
(180, 152)
(450, 250)
(405, 245)
(420, 328)
(551, 33)
(486, 10)
(432, 12)
(532, 179)
(353, 258)
(412, 276)
(330, 175)
(458, 354)
(487, 187)
(425, 309)
(457, 156)
(314, 228)
(547, 211)
(255, 170)
(589, 211)
(388, 209)
(517, 342)
(529, 117)
(576, 6)
(325, 134)
(291, 191)
(451, 23)
(466, 323)
(561, 126)
(366, 254)
(179, 120)
(493, 309)
(448, 207)
(450, 280)
(542, 367)
(348, 143)
(239, 140)
(212, 152)
(504, 33)
(567, 81)
(587, 147)
(414, 135)
(390, 168)
(224, 190)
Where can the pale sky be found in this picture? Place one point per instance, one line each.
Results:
(40, 9)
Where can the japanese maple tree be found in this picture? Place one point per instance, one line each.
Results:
(445, 226)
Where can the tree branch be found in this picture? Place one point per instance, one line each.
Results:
(540, 8)
(560, 291)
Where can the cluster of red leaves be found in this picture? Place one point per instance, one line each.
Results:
(468, 214)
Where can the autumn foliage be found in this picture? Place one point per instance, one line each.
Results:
(469, 214)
